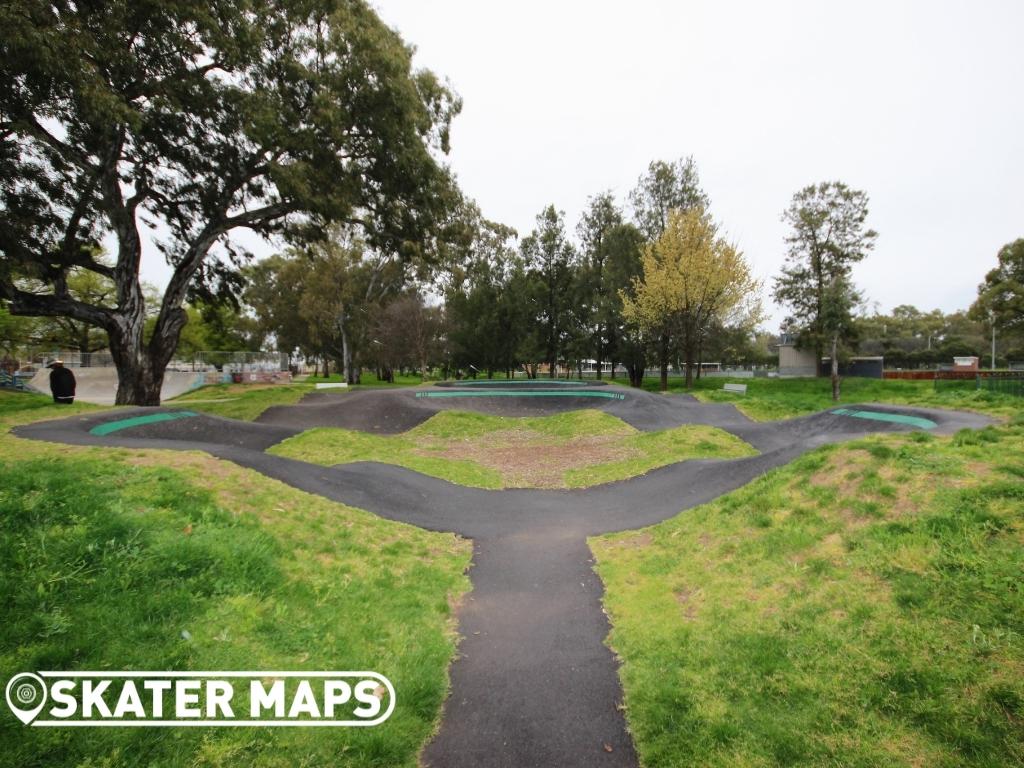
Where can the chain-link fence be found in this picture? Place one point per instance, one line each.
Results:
(228, 362)
(76, 359)
(233, 362)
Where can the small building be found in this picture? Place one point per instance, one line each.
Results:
(857, 367)
(864, 367)
(793, 361)
(965, 363)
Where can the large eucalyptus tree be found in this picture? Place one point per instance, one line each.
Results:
(201, 117)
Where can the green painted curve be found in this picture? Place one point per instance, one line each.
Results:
(137, 421)
(894, 418)
(526, 393)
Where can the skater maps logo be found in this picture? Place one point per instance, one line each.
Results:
(176, 699)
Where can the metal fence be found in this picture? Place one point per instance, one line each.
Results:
(234, 362)
(1007, 385)
(76, 359)
(1004, 382)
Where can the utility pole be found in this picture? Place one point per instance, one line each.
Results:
(992, 320)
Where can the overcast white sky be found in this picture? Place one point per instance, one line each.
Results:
(920, 104)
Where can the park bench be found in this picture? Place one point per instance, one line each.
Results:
(740, 389)
(11, 381)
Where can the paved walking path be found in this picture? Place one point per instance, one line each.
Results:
(534, 684)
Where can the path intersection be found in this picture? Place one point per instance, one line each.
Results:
(533, 684)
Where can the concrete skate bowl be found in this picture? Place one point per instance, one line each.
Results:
(99, 385)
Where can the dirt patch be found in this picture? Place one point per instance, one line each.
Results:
(200, 463)
(831, 548)
(845, 473)
(841, 473)
(977, 471)
(528, 459)
(640, 541)
(689, 600)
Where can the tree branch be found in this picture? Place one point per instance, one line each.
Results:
(70, 154)
(52, 305)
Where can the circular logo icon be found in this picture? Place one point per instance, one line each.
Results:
(26, 696)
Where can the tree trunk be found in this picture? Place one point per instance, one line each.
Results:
(140, 367)
(700, 356)
(83, 341)
(346, 359)
(835, 368)
(663, 360)
(138, 382)
(636, 374)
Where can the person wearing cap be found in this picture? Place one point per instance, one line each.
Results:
(62, 383)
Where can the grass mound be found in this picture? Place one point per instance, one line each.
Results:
(118, 559)
(573, 449)
(862, 606)
(770, 399)
(240, 401)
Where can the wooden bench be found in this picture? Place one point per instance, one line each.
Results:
(740, 389)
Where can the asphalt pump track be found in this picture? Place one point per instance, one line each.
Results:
(533, 684)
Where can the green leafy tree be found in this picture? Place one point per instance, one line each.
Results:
(828, 235)
(406, 335)
(272, 287)
(550, 261)
(15, 334)
(275, 116)
(910, 338)
(218, 326)
(837, 323)
(623, 245)
(692, 280)
(663, 188)
(64, 332)
(1001, 295)
(320, 299)
(601, 218)
(485, 312)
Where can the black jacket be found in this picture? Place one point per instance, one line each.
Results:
(62, 382)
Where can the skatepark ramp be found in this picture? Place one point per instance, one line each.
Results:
(99, 385)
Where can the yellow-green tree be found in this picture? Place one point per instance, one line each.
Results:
(693, 278)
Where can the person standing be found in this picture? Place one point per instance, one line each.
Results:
(62, 383)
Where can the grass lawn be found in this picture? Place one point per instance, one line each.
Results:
(568, 450)
(369, 379)
(770, 399)
(248, 401)
(139, 559)
(862, 606)
(240, 401)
